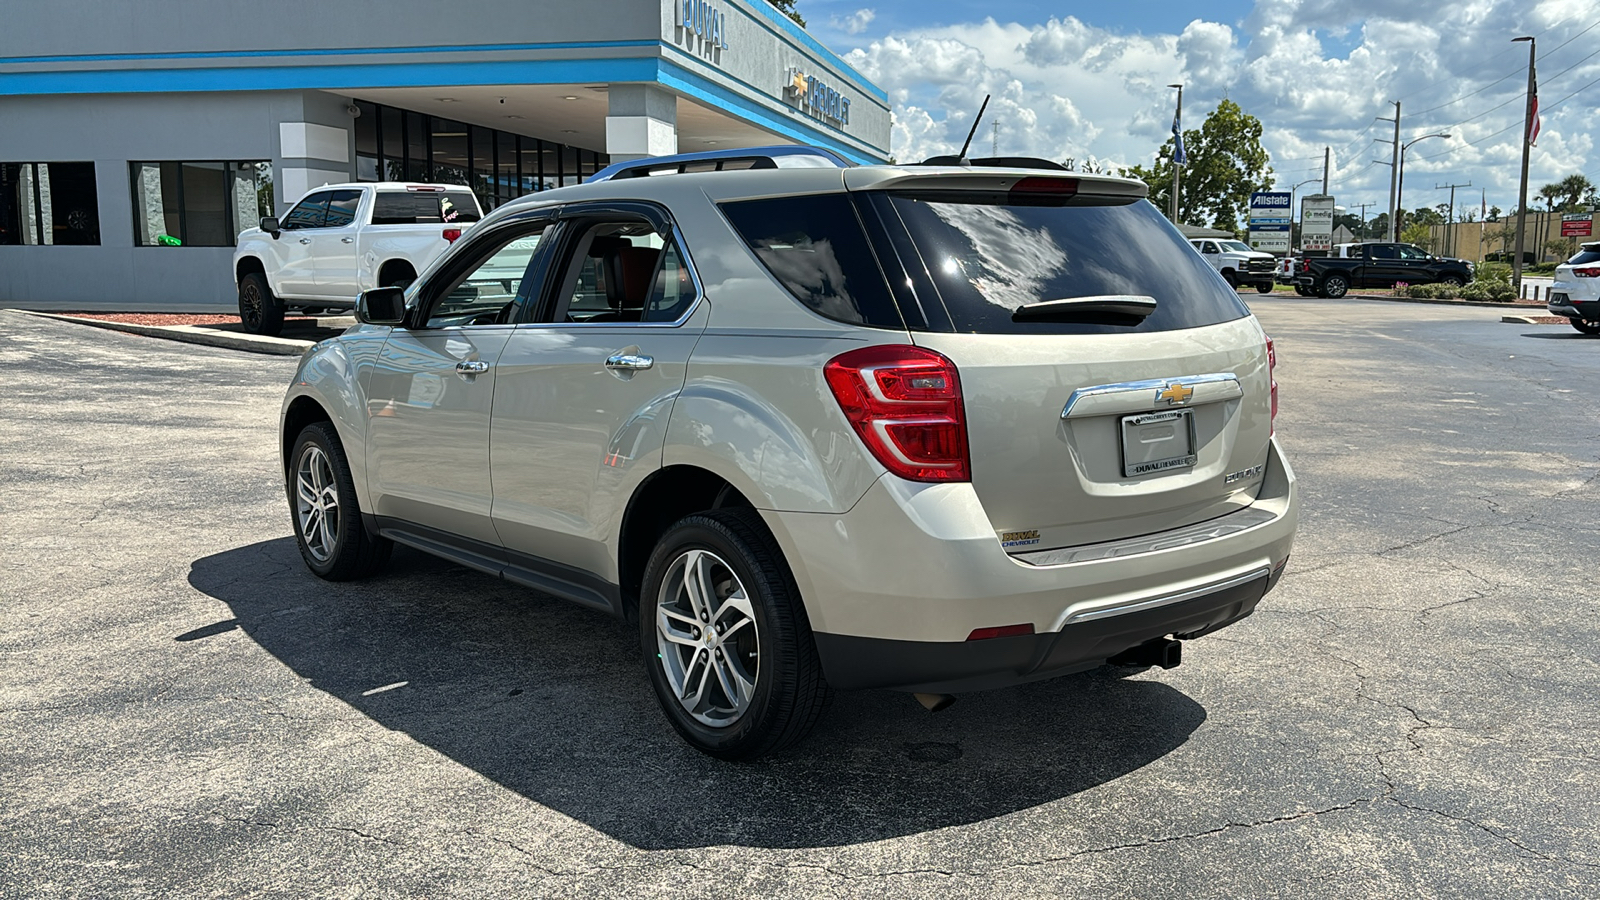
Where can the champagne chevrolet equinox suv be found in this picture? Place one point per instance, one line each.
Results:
(815, 426)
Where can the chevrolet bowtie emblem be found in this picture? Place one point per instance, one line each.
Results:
(1175, 394)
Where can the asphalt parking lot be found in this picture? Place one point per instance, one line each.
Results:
(186, 711)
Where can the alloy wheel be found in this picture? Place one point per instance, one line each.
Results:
(707, 639)
(250, 306)
(317, 503)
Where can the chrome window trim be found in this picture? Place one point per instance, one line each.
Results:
(1150, 384)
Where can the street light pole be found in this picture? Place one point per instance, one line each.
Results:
(1522, 195)
(1400, 189)
(1177, 150)
(1394, 176)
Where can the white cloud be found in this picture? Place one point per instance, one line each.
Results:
(855, 23)
(1316, 72)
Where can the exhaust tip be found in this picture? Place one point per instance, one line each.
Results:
(935, 702)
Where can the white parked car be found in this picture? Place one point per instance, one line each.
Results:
(1575, 293)
(1238, 264)
(342, 239)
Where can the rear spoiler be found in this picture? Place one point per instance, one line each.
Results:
(961, 178)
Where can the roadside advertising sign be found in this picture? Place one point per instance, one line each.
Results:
(1269, 221)
(1580, 225)
(1316, 222)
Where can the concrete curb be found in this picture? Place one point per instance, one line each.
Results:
(1534, 320)
(1484, 303)
(191, 334)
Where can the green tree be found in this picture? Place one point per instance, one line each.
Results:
(1418, 233)
(787, 7)
(1567, 194)
(1226, 164)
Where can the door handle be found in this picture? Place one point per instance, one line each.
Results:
(630, 362)
(347, 240)
(305, 240)
(471, 367)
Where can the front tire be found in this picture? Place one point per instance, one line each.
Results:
(327, 517)
(1231, 279)
(1587, 326)
(1335, 286)
(1452, 280)
(259, 311)
(1263, 288)
(726, 640)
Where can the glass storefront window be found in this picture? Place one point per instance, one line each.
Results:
(49, 204)
(400, 145)
(198, 204)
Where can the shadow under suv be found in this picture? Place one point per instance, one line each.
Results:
(815, 426)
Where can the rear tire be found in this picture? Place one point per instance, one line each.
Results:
(1263, 288)
(1335, 286)
(1301, 291)
(1587, 326)
(763, 689)
(327, 516)
(1452, 280)
(259, 311)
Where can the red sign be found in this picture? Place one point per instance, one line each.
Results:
(1577, 227)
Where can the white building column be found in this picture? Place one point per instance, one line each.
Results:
(642, 121)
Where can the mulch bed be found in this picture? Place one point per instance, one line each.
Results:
(168, 318)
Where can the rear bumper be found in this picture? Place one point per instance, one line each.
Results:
(1575, 309)
(894, 587)
(953, 667)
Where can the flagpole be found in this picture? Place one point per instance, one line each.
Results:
(1177, 150)
(1527, 142)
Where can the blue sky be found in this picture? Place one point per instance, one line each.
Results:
(1087, 81)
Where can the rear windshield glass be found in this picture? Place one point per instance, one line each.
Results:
(1587, 254)
(988, 256)
(424, 207)
(815, 247)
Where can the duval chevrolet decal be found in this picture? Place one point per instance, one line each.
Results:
(816, 98)
(702, 24)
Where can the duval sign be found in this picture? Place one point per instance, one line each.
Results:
(702, 27)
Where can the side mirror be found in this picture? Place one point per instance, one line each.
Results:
(381, 306)
(270, 225)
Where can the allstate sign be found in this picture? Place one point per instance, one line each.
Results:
(1269, 204)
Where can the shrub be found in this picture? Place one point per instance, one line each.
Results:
(1432, 292)
(1487, 291)
(1494, 271)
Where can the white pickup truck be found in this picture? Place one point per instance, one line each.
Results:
(1238, 263)
(342, 239)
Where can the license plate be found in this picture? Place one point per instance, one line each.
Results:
(1157, 442)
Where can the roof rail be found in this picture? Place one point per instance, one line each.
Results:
(786, 156)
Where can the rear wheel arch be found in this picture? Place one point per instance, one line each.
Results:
(657, 504)
(396, 273)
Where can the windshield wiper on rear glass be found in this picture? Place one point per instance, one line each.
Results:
(1104, 309)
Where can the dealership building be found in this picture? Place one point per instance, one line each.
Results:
(138, 140)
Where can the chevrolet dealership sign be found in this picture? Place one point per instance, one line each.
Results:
(703, 24)
(816, 98)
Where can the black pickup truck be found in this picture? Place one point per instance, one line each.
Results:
(1375, 265)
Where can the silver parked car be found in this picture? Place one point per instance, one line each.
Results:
(815, 426)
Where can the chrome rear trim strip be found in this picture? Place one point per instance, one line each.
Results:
(1139, 396)
(1214, 529)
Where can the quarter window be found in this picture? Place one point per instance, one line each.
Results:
(198, 204)
(48, 203)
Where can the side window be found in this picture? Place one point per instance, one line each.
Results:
(1209, 247)
(1381, 251)
(404, 208)
(342, 208)
(493, 283)
(1409, 252)
(308, 213)
(614, 275)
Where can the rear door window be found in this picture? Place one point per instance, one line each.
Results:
(424, 207)
(986, 256)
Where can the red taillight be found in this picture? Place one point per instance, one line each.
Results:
(1272, 370)
(1062, 187)
(1590, 272)
(452, 234)
(983, 634)
(905, 403)
(1305, 265)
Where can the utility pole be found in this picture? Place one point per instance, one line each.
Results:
(1450, 227)
(1179, 154)
(1522, 194)
(1394, 175)
(1327, 154)
(994, 148)
(1363, 206)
